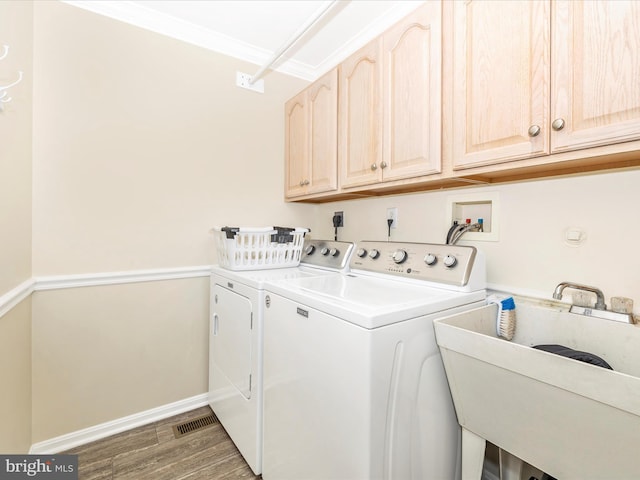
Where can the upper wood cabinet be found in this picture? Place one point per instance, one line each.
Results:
(390, 103)
(360, 121)
(595, 88)
(557, 76)
(311, 138)
(500, 81)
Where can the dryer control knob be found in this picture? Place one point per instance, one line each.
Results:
(374, 254)
(310, 249)
(430, 259)
(324, 251)
(399, 256)
(334, 252)
(361, 252)
(450, 261)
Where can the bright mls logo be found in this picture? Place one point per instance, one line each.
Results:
(50, 467)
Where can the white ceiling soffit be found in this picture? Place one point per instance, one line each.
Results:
(252, 30)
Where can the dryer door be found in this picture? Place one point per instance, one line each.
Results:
(231, 322)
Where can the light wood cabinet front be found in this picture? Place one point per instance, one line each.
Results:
(412, 52)
(500, 81)
(596, 73)
(296, 141)
(311, 138)
(360, 125)
(390, 103)
(557, 76)
(472, 91)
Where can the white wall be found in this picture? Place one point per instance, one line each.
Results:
(531, 256)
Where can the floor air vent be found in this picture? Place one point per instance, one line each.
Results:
(194, 425)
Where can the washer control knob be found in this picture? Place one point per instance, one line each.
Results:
(450, 261)
(324, 251)
(430, 259)
(361, 252)
(399, 256)
(310, 249)
(334, 252)
(374, 254)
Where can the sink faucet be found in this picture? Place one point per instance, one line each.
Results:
(600, 305)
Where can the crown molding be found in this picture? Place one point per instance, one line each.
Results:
(149, 19)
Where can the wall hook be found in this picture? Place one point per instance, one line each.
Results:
(3, 88)
(13, 84)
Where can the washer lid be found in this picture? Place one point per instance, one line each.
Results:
(371, 302)
(258, 278)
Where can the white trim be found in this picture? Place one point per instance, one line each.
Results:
(393, 15)
(16, 295)
(114, 278)
(103, 430)
(155, 21)
(54, 282)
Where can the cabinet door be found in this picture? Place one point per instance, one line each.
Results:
(360, 90)
(323, 133)
(595, 89)
(412, 60)
(296, 146)
(501, 76)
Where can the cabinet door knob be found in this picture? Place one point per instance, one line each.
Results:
(558, 124)
(383, 165)
(306, 182)
(301, 183)
(534, 130)
(374, 166)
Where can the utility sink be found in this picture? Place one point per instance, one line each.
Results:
(573, 420)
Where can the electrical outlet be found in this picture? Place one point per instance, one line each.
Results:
(392, 214)
(338, 219)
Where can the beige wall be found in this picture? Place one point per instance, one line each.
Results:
(15, 372)
(141, 144)
(531, 256)
(101, 353)
(16, 29)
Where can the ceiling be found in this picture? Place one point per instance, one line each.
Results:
(253, 30)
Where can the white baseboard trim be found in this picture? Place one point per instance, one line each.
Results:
(91, 434)
(16, 295)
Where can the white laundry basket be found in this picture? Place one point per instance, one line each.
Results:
(245, 248)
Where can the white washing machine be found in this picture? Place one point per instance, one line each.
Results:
(236, 340)
(354, 385)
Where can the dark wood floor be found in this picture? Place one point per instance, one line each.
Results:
(152, 452)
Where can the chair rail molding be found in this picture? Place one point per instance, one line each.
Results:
(14, 296)
(55, 282)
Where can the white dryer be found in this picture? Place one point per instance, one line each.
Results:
(236, 340)
(354, 384)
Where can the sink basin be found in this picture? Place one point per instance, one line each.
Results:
(571, 419)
